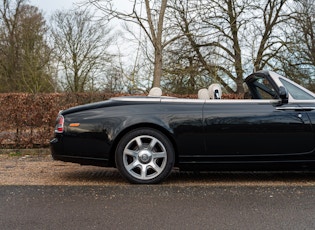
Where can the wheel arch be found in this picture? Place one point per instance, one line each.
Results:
(159, 128)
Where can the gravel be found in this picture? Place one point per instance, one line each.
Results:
(43, 170)
(40, 169)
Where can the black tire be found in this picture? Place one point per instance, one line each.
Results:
(144, 156)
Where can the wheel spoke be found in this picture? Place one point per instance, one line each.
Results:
(144, 171)
(155, 167)
(132, 165)
(139, 142)
(159, 155)
(152, 144)
(130, 152)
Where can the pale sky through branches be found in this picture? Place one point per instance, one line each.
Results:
(48, 7)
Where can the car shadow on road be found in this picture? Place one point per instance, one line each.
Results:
(246, 178)
(94, 175)
(101, 176)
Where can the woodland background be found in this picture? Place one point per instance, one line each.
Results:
(96, 50)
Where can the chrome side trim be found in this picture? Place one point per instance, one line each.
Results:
(142, 99)
(188, 100)
(296, 108)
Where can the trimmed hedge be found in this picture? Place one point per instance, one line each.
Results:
(27, 120)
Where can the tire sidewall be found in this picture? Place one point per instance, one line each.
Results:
(149, 132)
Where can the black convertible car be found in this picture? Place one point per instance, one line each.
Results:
(145, 137)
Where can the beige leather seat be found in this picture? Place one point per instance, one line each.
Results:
(215, 91)
(203, 94)
(155, 92)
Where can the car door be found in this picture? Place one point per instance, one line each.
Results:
(184, 120)
(255, 128)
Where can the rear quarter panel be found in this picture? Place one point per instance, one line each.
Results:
(101, 128)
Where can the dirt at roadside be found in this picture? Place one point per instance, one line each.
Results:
(40, 169)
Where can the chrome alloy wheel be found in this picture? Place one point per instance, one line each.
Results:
(144, 157)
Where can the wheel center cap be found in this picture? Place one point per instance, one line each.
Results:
(145, 156)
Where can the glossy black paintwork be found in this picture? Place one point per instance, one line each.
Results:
(99, 128)
(203, 133)
(260, 129)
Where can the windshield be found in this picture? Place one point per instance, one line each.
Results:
(296, 92)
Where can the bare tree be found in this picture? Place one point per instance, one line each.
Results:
(298, 62)
(268, 33)
(24, 52)
(36, 54)
(304, 31)
(134, 72)
(223, 40)
(152, 23)
(230, 38)
(81, 48)
(184, 73)
(212, 29)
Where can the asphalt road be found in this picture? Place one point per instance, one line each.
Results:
(157, 207)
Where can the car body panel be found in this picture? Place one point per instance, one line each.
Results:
(264, 130)
(256, 129)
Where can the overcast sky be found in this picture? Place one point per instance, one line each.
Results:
(48, 7)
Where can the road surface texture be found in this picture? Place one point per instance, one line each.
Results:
(39, 193)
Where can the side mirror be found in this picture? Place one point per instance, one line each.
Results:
(283, 93)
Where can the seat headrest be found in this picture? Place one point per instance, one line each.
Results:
(155, 92)
(203, 94)
(215, 91)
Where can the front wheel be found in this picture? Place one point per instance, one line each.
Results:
(144, 156)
